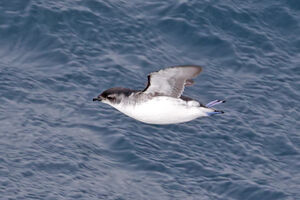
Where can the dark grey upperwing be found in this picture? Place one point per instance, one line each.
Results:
(171, 81)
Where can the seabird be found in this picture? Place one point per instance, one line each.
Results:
(161, 102)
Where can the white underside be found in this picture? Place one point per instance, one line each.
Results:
(163, 110)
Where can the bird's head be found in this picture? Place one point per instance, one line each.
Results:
(113, 95)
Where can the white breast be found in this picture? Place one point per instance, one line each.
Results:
(163, 110)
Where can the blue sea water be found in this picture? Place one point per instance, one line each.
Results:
(56, 143)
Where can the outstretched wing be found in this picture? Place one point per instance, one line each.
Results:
(171, 81)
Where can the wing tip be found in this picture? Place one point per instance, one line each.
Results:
(200, 68)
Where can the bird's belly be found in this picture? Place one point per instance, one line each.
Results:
(164, 110)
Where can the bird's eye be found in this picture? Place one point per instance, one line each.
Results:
(110, 97)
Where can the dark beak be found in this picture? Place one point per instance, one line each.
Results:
(97, 99)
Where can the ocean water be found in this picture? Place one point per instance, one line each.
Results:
(56, 143)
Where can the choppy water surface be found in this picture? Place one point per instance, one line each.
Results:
(55, 143)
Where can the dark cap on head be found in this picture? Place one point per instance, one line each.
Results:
(112, 94)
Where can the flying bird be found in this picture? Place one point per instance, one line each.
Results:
(161, 102)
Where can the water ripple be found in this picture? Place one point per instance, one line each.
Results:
(57, 55)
